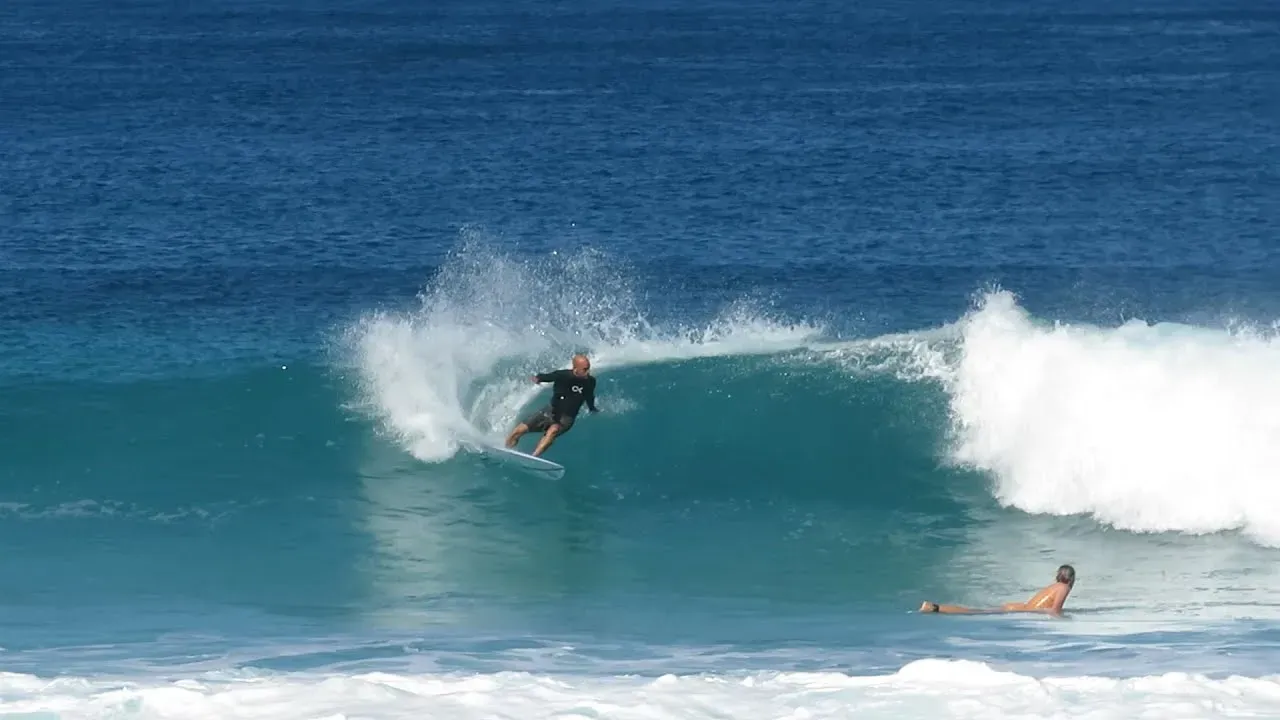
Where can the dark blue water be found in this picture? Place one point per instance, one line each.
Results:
(887, 302)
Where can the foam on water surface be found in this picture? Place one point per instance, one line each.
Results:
(925, 688)
(1145, 427)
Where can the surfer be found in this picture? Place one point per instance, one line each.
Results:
(570, 389)
(1049, 600)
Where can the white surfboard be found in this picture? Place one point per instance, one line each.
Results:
(525, 461)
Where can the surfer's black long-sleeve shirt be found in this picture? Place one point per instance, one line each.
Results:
(569, 391)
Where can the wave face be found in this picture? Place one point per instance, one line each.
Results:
(1142, 427)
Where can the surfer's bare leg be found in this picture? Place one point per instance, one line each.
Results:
(547, 438)
(516, 434)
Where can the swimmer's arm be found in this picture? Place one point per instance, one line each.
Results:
(955, 610)
(958, 610)
(547, 376)
(591, 396)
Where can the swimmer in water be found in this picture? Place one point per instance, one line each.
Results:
(1049, 600)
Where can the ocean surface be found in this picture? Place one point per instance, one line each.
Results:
(887, 302)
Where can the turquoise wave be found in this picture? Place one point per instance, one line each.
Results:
(276, 464)
(713, 428)
(712, 483)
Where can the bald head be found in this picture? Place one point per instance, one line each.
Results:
(581, 365)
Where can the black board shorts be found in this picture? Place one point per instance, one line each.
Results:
(541, 420)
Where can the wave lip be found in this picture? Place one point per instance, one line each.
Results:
(925, 688)
(1145, 427)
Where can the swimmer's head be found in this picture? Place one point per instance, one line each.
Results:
(581, 365)
(1067, 575)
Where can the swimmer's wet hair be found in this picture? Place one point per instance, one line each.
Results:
(1067, 574)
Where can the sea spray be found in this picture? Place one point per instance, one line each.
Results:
(1145, 427)
(455, 370)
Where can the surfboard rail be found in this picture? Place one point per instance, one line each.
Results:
(525, 461)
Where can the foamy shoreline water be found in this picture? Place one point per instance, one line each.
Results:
(926, 688)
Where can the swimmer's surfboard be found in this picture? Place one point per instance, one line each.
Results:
(525, 461)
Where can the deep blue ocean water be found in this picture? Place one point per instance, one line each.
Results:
(887, 302)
